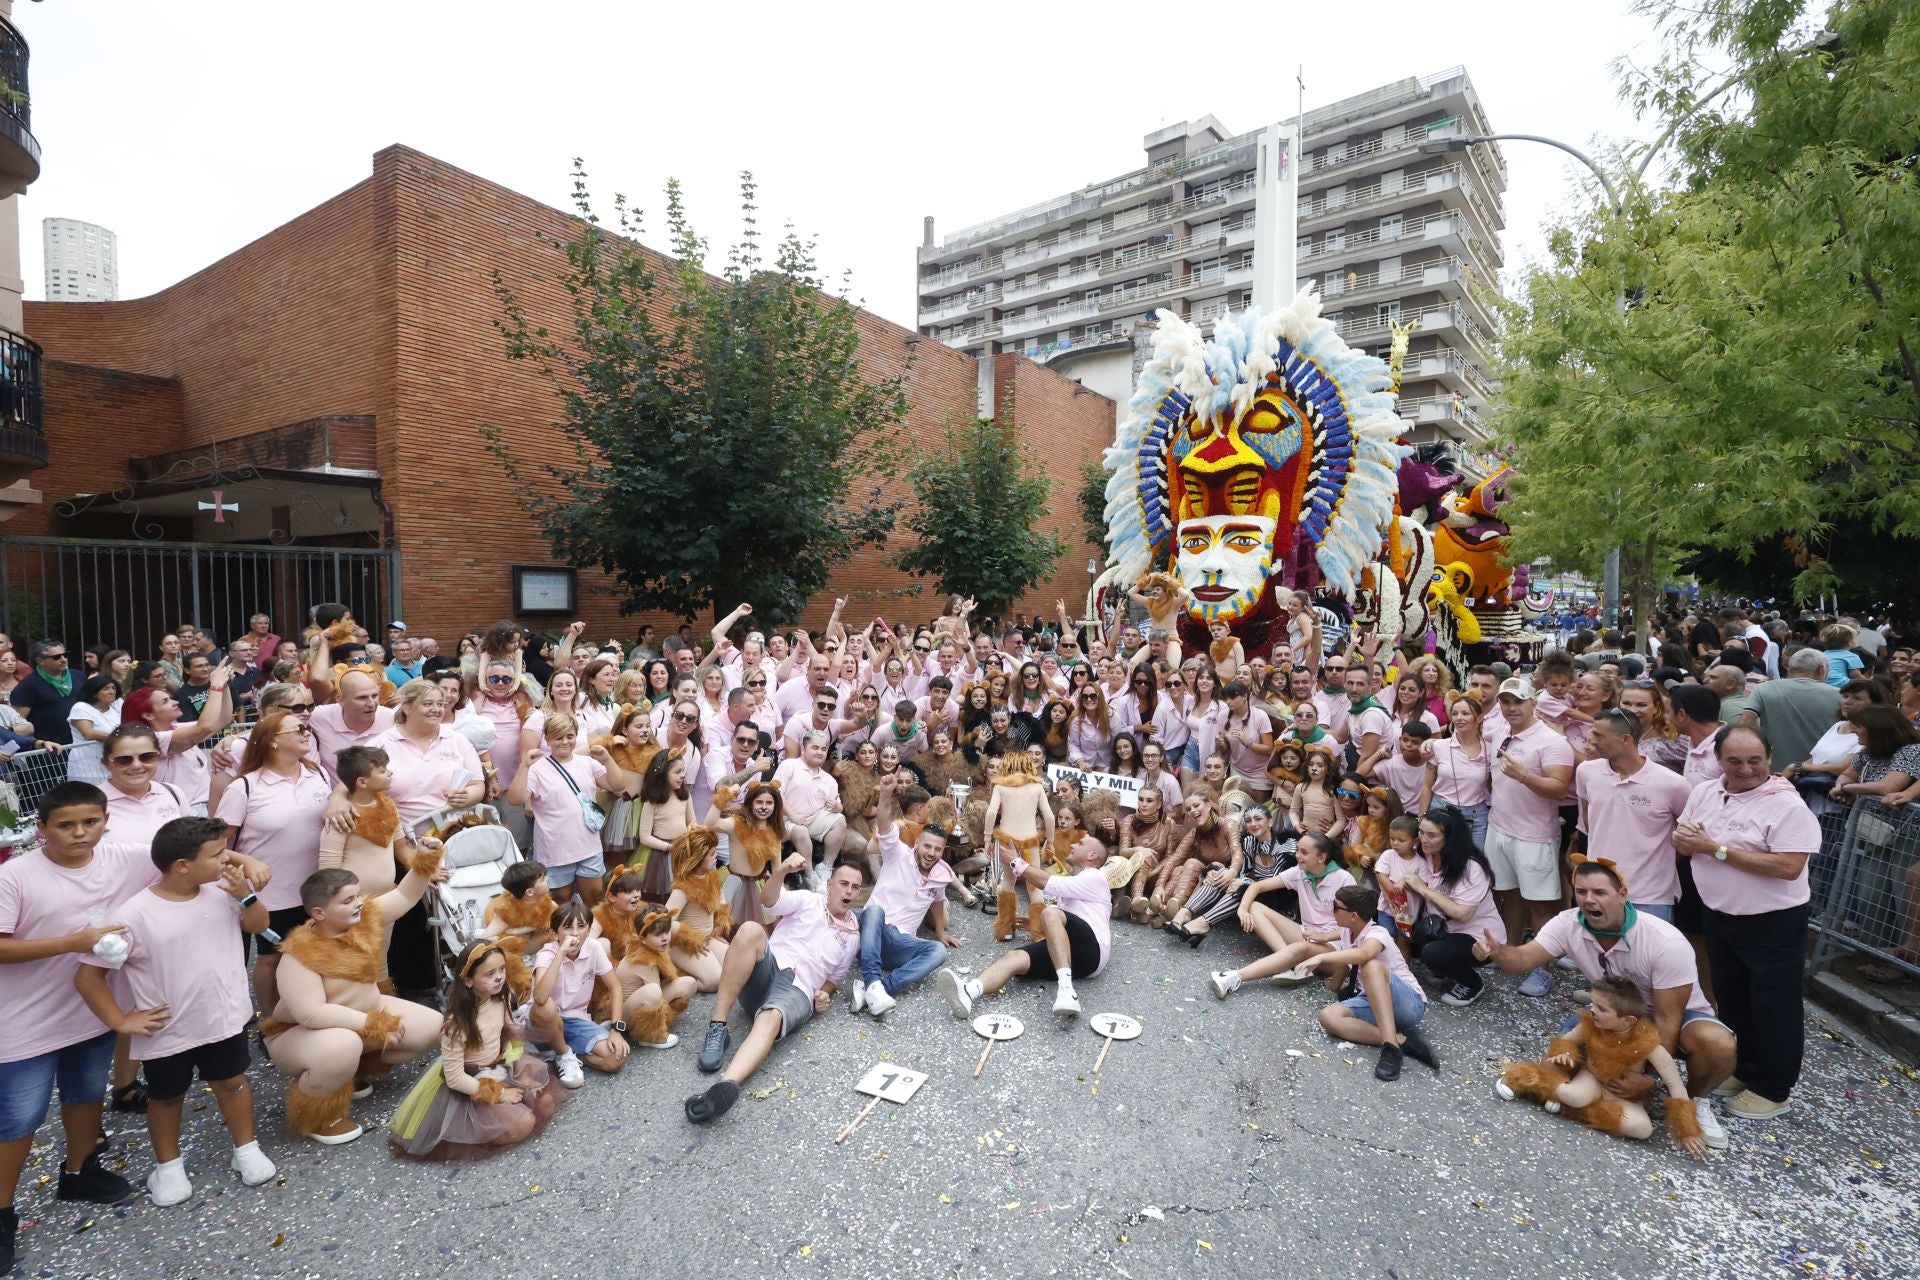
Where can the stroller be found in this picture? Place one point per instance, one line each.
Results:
(478, 852)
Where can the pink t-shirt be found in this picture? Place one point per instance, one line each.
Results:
(421, 779)
(1394, 866)
(1405, 779)
(1316, 900)
(901, 891)
(1370, 721)
(810, 942)
(279, 822)
(505, 718)
(1203, 726)
(1087, 747)
(40, 899)
(573, 987)
(945, 716)
(188, 957)
(1248, 763)
(1085, 894)
(1460, 778)
(331, 735)
(190, 771)
(133, 822)
(804, 791)
(1772, 817)
(1702, 764)
(1552, 708)
(1518, 810)
(1654, 954)
(1389, 955)
(1631, 820)
(1333, 709)
(560, 835)
(1473, 889)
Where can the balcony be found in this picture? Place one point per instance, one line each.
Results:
(1450, 369)
(19, 149)
(1447, 276)
(1376, 152)
(23, 440)
(1451, 323)
(959, 304)
(1441, 230)
(1449, 415)
(1066, 282)
(1451, 185)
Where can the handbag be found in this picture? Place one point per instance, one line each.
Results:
(590, 813)
(1428, 927)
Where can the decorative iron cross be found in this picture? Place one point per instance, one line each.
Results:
(218, 507)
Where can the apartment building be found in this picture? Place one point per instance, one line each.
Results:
(1387, 231)
(82, 260)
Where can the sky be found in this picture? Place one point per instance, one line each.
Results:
(193, 127)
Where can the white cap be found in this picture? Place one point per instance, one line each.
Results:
(1519, 686)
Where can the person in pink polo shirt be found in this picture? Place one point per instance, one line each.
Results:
(354, 720)
(1076, 932)
(912, 885)
(1533, 773)
(1628, 808)
(811, 797)
(1748, 835)
(785, 980)
(1605, 934)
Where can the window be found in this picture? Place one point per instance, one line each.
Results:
(1390, 227)
(1387, 311)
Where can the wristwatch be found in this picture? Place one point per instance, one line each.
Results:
(249, 900)
(1720, 854)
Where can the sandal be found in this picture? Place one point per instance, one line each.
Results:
(131, 1096)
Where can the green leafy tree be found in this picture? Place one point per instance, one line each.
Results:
(724, 443)
(1093, 502)
(980, 500)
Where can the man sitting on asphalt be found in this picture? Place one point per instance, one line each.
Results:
(912, 883)
(1604, 934)
(784, 980)
(1076, 932)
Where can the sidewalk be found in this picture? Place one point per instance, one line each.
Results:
(1888, 1011)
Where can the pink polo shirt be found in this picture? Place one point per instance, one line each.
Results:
(1087, 747)
(1772, 817)
(1460, 778)
(1203, 726)
(811, 942)
(1372, 720)
(133, 821)
(1654, 954)
(1246, 762)
(804, 792)
(190, 770)
(1333, 709)
(1389, 955)
(421, 778)
(279, 824)
(1702, 764)
(1518, 810)
(1405, 779)
(1316, 900)
(560, 835)
(901, 891)
(40, 899)
(573, 985)
(331, 735)
(1085, 894)
(937, 718)
(186, 956)
(1473, 889)
(505, 718)
(1631, 821)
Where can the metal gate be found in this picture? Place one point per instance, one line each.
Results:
(127, 594)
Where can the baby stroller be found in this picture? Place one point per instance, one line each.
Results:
(478, 852)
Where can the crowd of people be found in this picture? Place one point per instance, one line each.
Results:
(775, 815)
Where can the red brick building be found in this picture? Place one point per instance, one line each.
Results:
(328, 381)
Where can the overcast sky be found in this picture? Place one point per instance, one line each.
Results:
(193, 127)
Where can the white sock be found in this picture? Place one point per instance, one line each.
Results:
(1064, 977)
(240, 1150)
(178, 1162)
(973, 989)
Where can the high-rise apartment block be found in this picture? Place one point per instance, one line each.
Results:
(83, 261)
(1386, 230)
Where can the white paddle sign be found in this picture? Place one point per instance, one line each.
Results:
(883, 1082)
(995, 1027)
(1114, 1026)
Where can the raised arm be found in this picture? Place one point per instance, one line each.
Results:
(563, 654)
(215, 716)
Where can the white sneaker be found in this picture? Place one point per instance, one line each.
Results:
(570, 1073)
(878, 1001)
(168, 1184)
(1552, 1106)
(1291, 978)
(1503, 1089)
(1224, 982)
(251, 1163)
(1065, 1002)
(668, 1043)
(954, 988)
(1711, 1129)
(857, 995)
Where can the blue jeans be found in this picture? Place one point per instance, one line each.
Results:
(1408, 1007)
(26, 1086)
(1476, 816)
(1658, 910)
(892, 958)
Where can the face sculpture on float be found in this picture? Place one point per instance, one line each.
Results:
(1259, 461)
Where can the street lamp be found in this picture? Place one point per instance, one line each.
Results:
(1610, 578)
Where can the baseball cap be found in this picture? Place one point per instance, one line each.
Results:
(1519, 686)
(396, 625)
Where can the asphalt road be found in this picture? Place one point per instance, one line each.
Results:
(1201, 1148)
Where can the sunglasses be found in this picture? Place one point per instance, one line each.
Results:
(145, 757)
(499, 679)
(684, 718)
(825, 706)
(297, 730)
(1348, 793)
(922, 648)
(299, 708)
(756, 684)
(53, 657)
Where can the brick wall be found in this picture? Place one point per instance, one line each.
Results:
(96, 420)
(380, 302)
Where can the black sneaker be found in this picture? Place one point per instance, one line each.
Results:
(93, 1184)
(714, 1051)
(9, 1237)
(1415, 1046)
(1388, 1068)
(1461, 995)
(714, 1103)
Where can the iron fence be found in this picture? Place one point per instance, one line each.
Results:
(1866, 887)
(127, 594)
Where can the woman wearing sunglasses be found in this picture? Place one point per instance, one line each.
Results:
(182, 765)
(273, 812)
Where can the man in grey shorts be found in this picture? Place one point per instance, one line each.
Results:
(784, 980)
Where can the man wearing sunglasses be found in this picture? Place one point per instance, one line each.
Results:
(47, 693)
(1629, 807)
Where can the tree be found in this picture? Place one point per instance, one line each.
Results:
(1093, 502)
(979, 501)
(724, 443)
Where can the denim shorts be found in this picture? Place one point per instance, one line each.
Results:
(582, 1034)
(26, 1087)
(1190, 755)
(1408, 1006)
(1658, 910)
(592, 868)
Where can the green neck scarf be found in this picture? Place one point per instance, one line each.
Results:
(1363, 705)
(64, 683)
(1627, 920)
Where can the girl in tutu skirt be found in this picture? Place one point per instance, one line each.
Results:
(486, 1093)
(755, 824)
(635, 730)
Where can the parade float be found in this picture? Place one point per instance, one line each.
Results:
(1268, 459)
